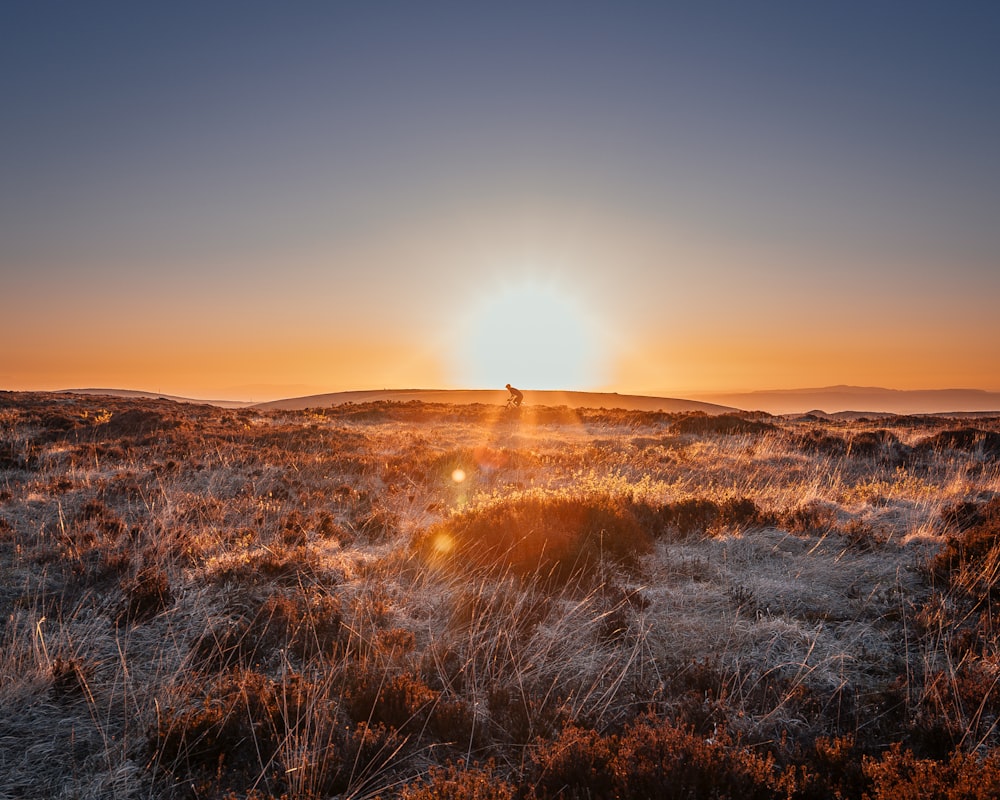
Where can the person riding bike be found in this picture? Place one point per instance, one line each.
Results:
(516, 396)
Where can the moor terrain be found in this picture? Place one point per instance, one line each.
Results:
(424, 600)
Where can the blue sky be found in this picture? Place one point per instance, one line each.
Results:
(734, 195)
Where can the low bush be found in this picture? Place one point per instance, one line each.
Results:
(970, 558)
(819, 442)
(552, 538)
(697, 515)
(139, 423)
(652, 758)
(810, 517)
(70, 678)
(968, 440)
(226, 740)
(899, 775)
(400, 701)
(146, 594)
(574, 766)
(306, 624)
(656, 759)
(459, 782)
(724, 424)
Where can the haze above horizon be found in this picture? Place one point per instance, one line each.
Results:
(254, 200)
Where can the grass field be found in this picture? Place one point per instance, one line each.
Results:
(424, 600)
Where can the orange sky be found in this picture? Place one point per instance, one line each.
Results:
(659, 201)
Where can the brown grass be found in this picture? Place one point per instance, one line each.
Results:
(433, 601)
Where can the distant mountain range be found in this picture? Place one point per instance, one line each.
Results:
(835, 399)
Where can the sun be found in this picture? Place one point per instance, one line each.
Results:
(532, 335)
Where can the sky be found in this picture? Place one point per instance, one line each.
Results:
(246, 200)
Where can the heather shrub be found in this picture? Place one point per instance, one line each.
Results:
(401, 701)
(419, 703)
(687, 517)
(146, 594)
(819, 442)
(16, 458)
(899, 775)
(700, 423)
(656, 759)
(277, 563)
(305, 624)
(861, 536)
(224, 741)
(360, 758)
(459, 782)
(693, 516)
(443, 667)
(970, 558)
(574, 766)
(521, 608)
(519, 716)
(375, 524)
(807, 518)
(139, 423)
(551, 538)
(832, 768)
(968, 440)
(453, 721)
(955, 706)
(70, 678)
(965, 514)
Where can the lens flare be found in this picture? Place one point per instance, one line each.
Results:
(458, 475)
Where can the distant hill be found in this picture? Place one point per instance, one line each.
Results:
(155, 396)
(860, 399)
(498, 397)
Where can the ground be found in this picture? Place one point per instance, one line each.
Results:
(426, 600)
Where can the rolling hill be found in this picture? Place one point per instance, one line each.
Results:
(498, 397)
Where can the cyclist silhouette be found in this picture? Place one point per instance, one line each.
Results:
(516, 397)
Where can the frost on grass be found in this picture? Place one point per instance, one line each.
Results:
(436, 601)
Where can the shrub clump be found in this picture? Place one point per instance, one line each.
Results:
(459, 782)
(820, 442)
(964, 439)
(899, 775)
(656, 759)
(553, 538)
(575, 765)
(395, 700)
(227, 739)
(652, 758)
(702, 424)
(698, 515)
(307, 625)
(139, 422)
(970, 557)
(145, 595)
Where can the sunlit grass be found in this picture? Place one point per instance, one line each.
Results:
(343, 602)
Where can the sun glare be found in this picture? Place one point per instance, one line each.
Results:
(532, 336)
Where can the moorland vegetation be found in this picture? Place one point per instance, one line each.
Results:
(433, 601)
